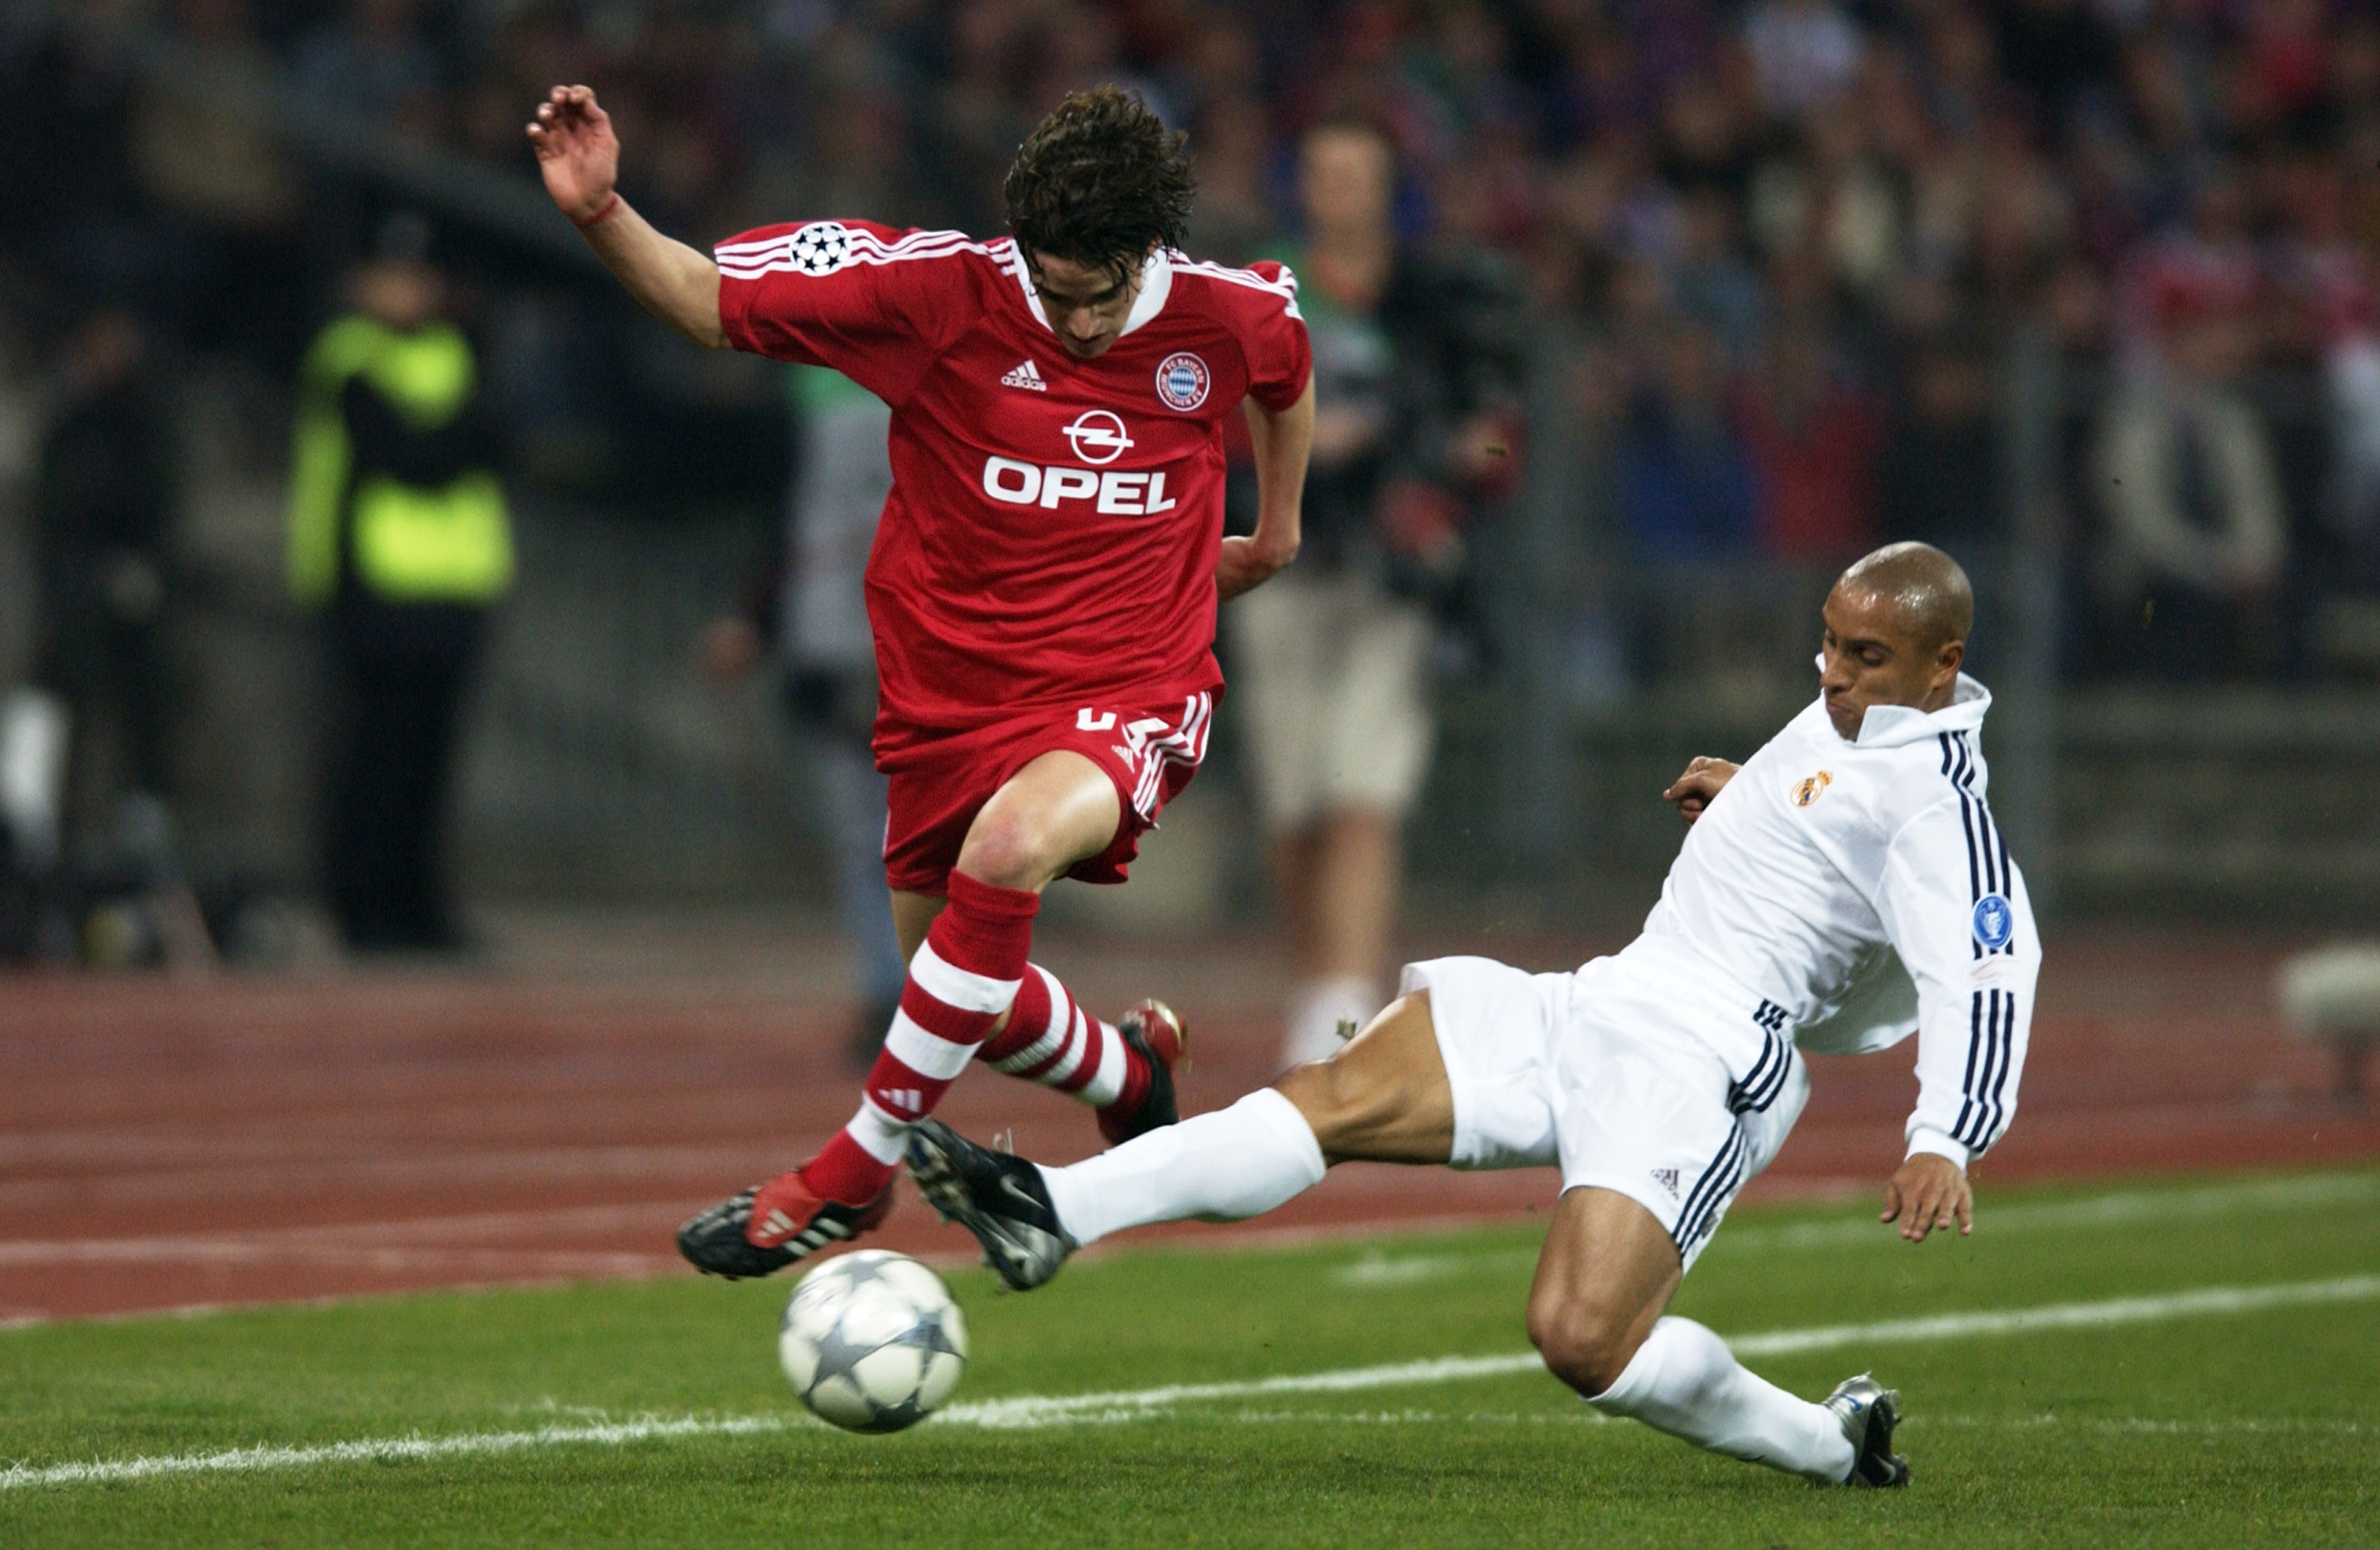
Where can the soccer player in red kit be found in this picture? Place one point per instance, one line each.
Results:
(1043, 585)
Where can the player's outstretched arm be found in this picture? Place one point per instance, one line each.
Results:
(578, 156)
(1694, 790)
(1283, 441)
(1930, 1192)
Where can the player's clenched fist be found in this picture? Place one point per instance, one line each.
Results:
(577, 154)
(1694, 790)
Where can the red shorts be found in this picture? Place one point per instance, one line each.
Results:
(937, 785)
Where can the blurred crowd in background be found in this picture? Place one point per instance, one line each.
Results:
(1776, 258)
(1792, 235)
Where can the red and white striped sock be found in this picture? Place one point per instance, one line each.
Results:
(1052, 1040)
(961, 980)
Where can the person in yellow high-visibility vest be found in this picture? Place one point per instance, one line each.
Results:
(400, 536)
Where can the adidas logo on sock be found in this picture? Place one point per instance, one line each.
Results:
(1026, 376)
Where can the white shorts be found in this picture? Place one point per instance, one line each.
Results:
(1604, 1073)
(1330, 675)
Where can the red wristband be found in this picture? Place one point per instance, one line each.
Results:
(600, 216)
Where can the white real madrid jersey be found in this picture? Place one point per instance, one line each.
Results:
(1865, 889)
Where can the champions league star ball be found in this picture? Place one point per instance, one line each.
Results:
(872, 1342)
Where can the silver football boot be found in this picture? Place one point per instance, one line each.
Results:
(1869, 1411)
(998, 1197)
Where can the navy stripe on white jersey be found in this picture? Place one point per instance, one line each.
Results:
(1992, 1015)
(1990, 1045)
(1988, 870)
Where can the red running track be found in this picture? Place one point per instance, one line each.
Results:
(166, 1145)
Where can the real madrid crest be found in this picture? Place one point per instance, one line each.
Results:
(1812, 789)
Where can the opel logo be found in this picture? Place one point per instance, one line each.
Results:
(1098, 437)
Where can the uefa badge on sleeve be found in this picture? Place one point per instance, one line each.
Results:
(1183, 382)
(1995, 922)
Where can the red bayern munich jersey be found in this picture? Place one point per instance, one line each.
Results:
(1052, 530)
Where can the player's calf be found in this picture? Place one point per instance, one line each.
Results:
(1124, 1069)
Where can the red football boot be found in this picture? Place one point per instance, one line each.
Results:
(1153, 1032)
(770, 1226)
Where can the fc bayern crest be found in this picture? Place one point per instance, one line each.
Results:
(1182, 382)
(1995, 922)
(822, 248)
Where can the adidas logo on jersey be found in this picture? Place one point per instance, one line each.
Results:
(1668, 1178)
(1026, 376)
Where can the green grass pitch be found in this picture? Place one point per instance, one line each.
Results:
(2160, 1422)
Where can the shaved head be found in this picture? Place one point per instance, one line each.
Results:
(1929, 594)
(1896, 635)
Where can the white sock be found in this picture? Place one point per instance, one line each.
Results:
(1316, 1009)
(1240, 1162)
(1686, 1382)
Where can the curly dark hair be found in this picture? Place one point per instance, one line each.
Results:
(1100, 180)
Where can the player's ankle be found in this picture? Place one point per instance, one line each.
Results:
(1135, 1091)
(845, 1173)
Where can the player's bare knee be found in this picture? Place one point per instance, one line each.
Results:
(1586, 1347)
(1007, 848)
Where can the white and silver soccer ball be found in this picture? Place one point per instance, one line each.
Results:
(872, 1342)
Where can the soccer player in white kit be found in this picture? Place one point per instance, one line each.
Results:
(1844, 888)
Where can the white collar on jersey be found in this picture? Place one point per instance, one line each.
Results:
(1156, 285)
(1889, 726)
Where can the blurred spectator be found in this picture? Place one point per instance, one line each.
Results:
(2335, 291)
(209, 158)
(1833, 202)
(398, 530)
(371, 64)
(812, 608)
(1415, 374)
(1686, 487)
(1813, 437)
(1234, 217)
(1896, 187)
(2197, 531)
(1939, 472)
(104, 509)
(205, 146)
(1712, 284)
(2057, 51)
(1804, 52)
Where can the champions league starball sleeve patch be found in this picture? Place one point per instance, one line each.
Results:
(822, 248)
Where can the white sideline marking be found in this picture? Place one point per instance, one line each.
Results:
(242, 1460)
(2122, 1208)
(1033, 1410)
(2063, 1315)
(1038, 1411)
(514, 1264)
